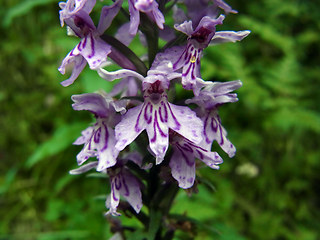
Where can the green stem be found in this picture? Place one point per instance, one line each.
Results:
(127, 52)
(151, 32)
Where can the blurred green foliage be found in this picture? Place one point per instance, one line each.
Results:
(269, 190)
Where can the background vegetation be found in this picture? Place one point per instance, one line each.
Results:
(269, 190)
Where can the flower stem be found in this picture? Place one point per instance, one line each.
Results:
(151, 32)
(127, 53)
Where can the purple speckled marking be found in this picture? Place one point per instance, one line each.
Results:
(91, 140)
(148, 114)
(221, 137)
(92, 47)
(114, 192)
(194, 133)
(204, 129)
(155, 126)
(127, 192)
(195, 146)
(200, 154)
(97, 135)
(186, 56)
(84, 44)
(214, 125)
(190, 180)
(176, 63)
(188, 60)
(106, 136)
(178, 125)
(164, 118)
(117, 182)
(186, 147)
(217, 129)
(192, 71)
(154, 138)
(188, 70)
(136, 127)
(186, 53)
(79, 46)
(190, 164)
(177, 167)
(71, 53)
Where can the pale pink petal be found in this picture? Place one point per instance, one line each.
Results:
(108, 13)
(185, 122)
(85, 136)
(228, 36)
(77, 62)
(213, 130)
(131, 125)
(84, 168)
(182, 166)
(130, 190)
(107, 153)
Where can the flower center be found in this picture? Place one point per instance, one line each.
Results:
(155, 97)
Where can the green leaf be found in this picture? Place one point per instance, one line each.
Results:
(267, 33)
(139, 234)
(287, 119)
(72, 234)
(61, 139)
(21, 9)
(226, 233)
(155, 222)
(8, 179)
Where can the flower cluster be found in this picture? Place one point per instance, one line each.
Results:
(177, 135)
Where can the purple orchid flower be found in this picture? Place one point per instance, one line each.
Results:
(204, 35)
(125, 184)
(99, 139)
(198, 39)
(92, 48)
(156, 115)
(182, 162)
(150, 8)
(122, 182)
(209, 99)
